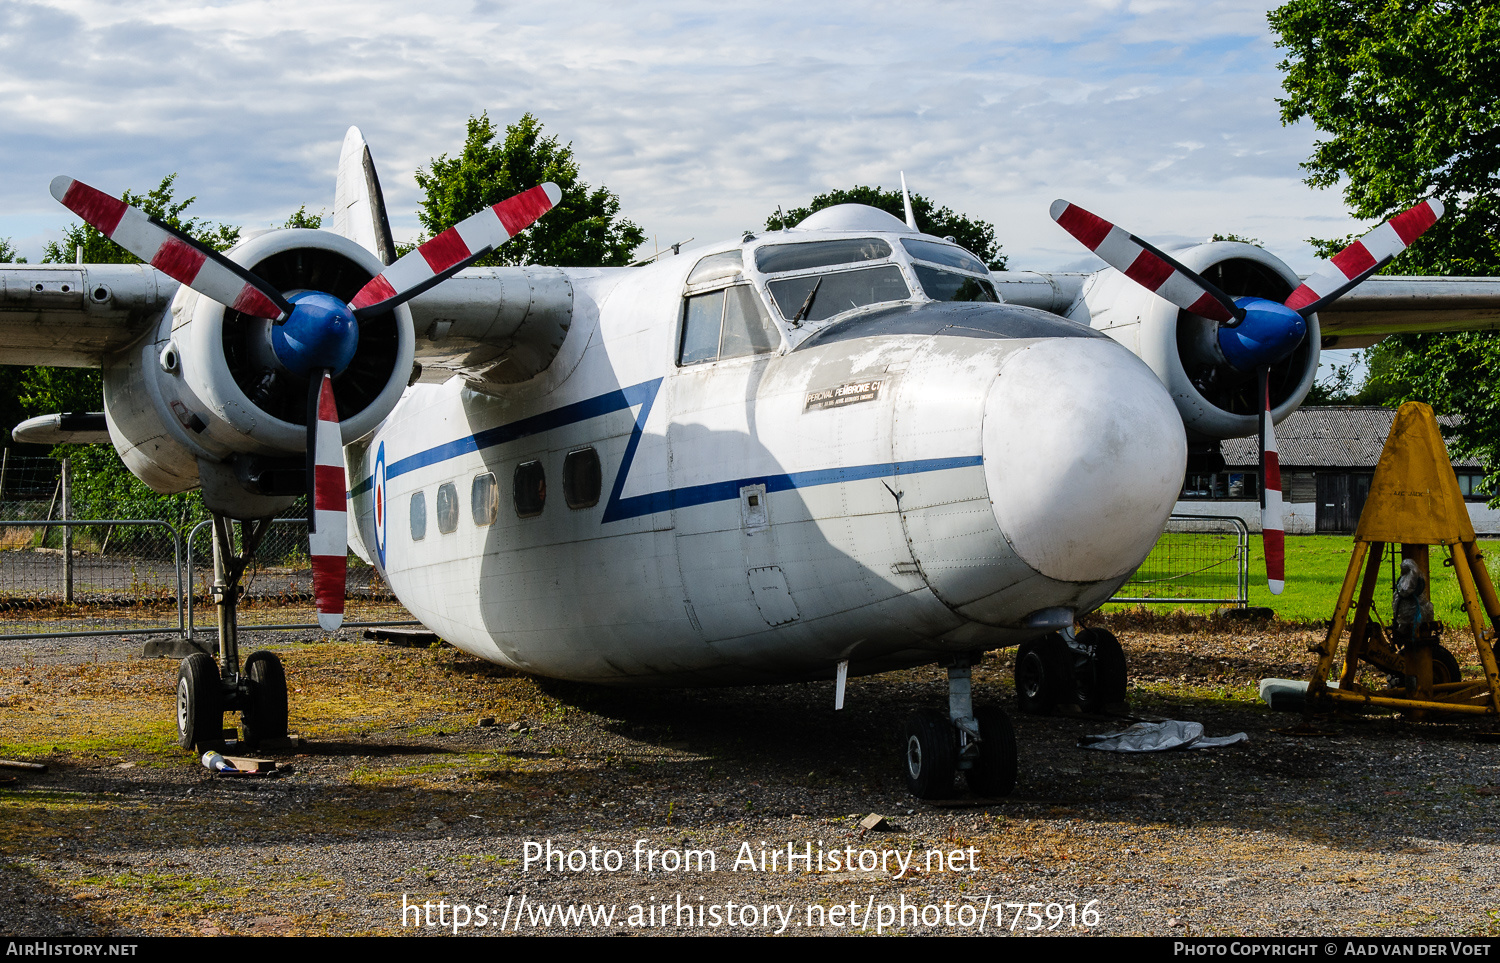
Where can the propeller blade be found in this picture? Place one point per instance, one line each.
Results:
(1146, 265)
(453, 250)
(171, 252)
(1272, 530)
(1364, 257)
(328, 534)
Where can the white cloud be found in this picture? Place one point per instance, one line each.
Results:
(1158, 114)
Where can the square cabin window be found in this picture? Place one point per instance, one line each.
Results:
(531, 489)
(447, 508)
(582, 478)
(418, 516)
(484, 498)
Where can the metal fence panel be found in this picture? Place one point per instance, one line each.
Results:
(1199, 560)
(137, 572)
(120, 576)
(277, 587)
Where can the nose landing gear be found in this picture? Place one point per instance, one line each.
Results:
(1086, 669)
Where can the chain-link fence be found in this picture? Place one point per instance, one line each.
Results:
(1199, 560)
(62, 575)
(29, 487)
(277, 587)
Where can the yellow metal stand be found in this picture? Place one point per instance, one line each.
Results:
(1414, 502)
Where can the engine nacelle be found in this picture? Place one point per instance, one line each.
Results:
(1215, 399)
(201, 402)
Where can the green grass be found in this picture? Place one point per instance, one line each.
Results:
(1315, 569)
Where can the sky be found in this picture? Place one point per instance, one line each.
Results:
(1158, 114)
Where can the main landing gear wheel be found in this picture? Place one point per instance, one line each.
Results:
(931, 754)
(994, 772)
(1099, 671)
(200, 703)
(264, 714)
(1044, 674)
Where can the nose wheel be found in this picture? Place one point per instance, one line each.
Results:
(977, 742)
(1086, 669)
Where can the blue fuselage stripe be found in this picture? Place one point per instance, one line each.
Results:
(621, 507)
(663, 501)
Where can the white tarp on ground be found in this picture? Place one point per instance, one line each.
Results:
(1158, 737)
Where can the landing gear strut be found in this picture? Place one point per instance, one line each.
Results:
(207, 689)
(977, 742)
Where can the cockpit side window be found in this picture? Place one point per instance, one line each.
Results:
(747, 328)
(717, 267)
(728, 323)
(703, 316)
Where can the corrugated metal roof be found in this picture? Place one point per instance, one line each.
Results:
(1336, 437)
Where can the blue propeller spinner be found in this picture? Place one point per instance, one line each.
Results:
(1267, 333)
(320, 334)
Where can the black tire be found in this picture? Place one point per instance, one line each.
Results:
(929, 755)
(1044, 674)
(994, 773)
(264, 716)
(1445, 667)
(1101, 679)
(200, 703)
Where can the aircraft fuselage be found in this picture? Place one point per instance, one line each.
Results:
(914, 479)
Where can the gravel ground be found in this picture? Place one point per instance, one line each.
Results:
(398, 795)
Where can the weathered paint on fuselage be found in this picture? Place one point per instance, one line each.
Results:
(755, 525)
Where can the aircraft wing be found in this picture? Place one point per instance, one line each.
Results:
(494, 326)
(1401, 305)
(491, 325)
(71, 315)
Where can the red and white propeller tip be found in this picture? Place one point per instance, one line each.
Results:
(1366, 255)
(328, 536)
(469, 239)
(1272, 528)
(174, 254)
(1144, 264)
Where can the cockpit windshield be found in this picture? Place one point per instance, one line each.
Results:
(775, 258)
(818, 296)
(948, 255)
(952, 286)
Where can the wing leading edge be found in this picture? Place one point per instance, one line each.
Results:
(1410, 305)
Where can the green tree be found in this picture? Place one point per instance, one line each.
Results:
(585, 229)
(8, 253)
(975, 235)
(300, 218)
(1407, 93)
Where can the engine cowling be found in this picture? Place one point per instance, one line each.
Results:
(201, 402)
(1215, 399)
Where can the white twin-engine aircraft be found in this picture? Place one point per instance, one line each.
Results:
(840, 448)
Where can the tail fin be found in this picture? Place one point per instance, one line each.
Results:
(358, 205)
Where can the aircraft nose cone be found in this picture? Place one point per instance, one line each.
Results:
(1084, 455)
